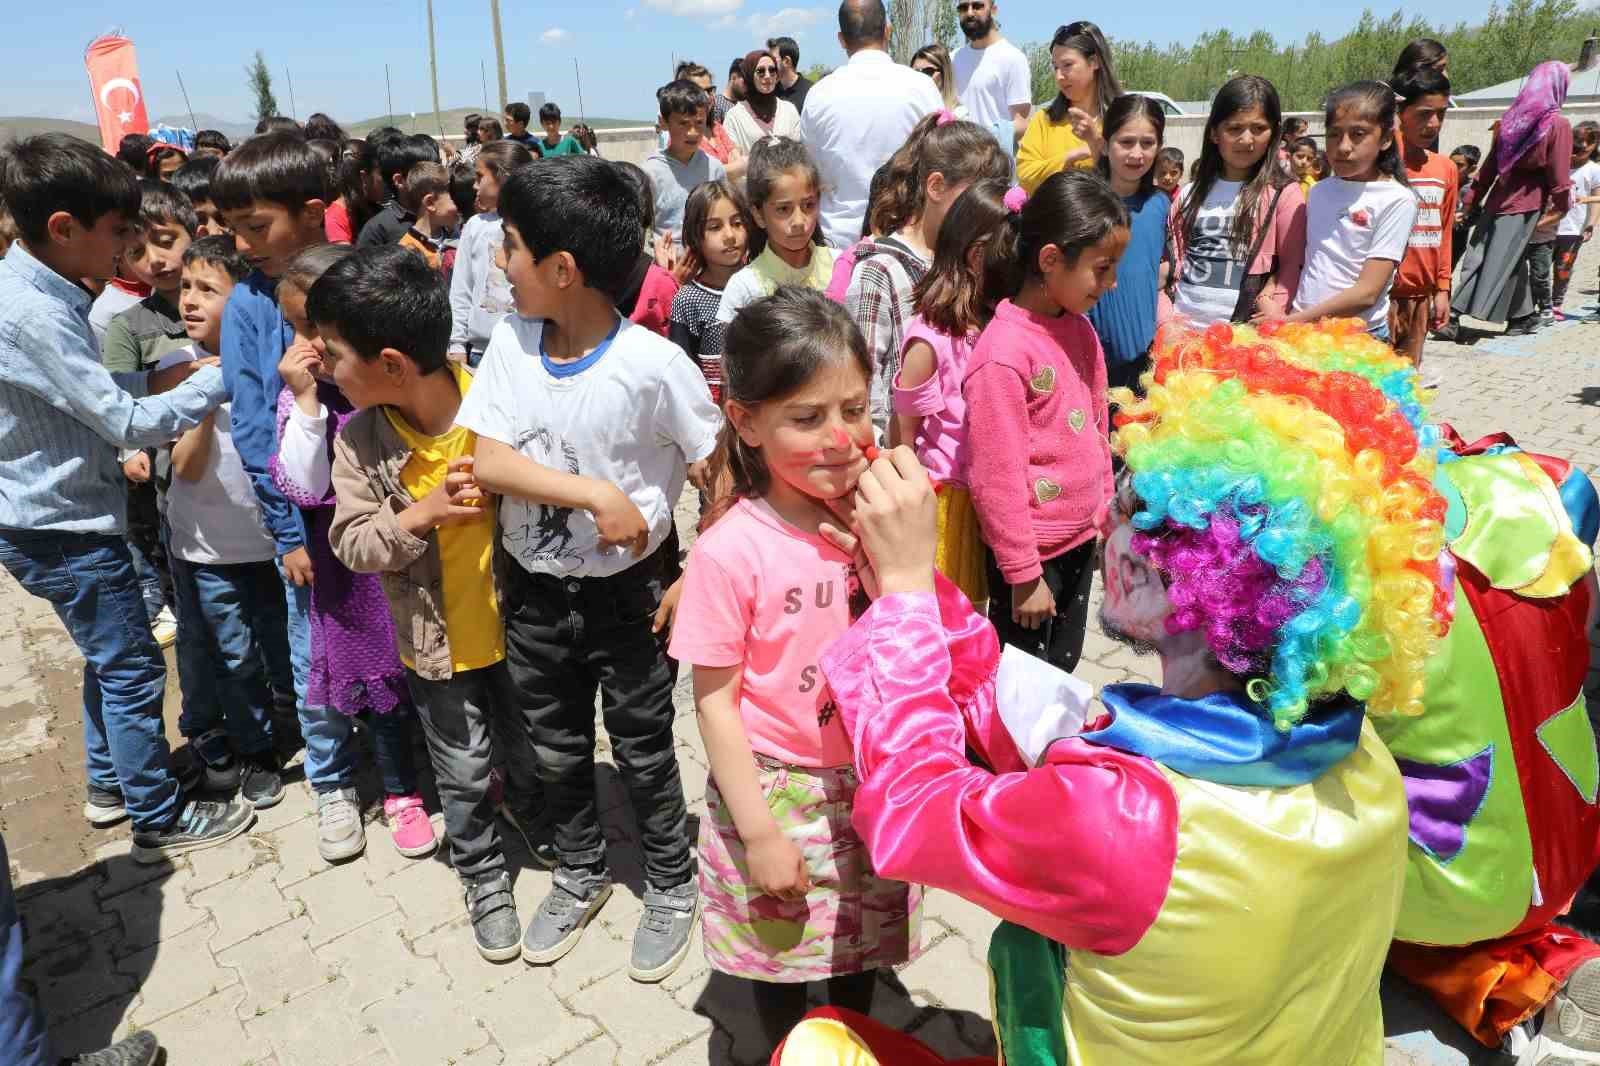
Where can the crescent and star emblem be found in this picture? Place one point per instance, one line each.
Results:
(119, 83)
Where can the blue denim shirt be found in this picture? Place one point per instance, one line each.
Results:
(63, 415)
(254, 337)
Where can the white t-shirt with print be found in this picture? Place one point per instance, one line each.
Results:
(991, 81)
(1585, 182)
(1348, 223)
(634, 413)
(1208, 286)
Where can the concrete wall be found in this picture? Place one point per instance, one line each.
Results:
(628, 144)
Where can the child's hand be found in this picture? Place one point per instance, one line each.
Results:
(700, 475)
(298, 368)
(160, 381)
(618, 519)
(668, 610)
(1441, 310)
(1032, 604)
(778, 867)
(297, 564)
(896, 518)
(458, 498)
(137, 468)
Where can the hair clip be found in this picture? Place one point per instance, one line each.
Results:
(1015, 198)
(946, 116)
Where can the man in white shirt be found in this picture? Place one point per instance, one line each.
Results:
(857, 117)
(992, 76)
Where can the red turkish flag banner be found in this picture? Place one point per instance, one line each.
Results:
(118, 97)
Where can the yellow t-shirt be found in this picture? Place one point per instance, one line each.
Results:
(466, 549)
(1044, 149)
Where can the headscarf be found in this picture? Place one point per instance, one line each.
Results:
(763, 105)
(1532, 113)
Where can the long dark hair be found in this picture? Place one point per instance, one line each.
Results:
(951, 297)
(356, 159)
(1373, 100)
(1085, 38)
(697, 209)
(770, 159)
(1424, 52)
(1072, 210)
(1239, 94)
(1122, 111)
(963, 152)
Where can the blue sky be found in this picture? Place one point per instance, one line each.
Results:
(335, 50)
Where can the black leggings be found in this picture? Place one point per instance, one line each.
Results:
(1059, 641)
(781, 1006)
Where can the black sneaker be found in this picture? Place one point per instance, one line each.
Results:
(104, 806)
(493, 910)
(200, 824)
(221, 768)
(135, 1049)
(1524, 326)
(260, 783)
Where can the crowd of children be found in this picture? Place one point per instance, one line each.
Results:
(432, 485)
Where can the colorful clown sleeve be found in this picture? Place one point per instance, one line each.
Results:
(1105, 820)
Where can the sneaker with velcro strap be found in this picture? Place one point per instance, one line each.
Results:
(493, 911)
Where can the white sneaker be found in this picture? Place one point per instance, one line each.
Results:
(1571, 1032)
(165, 628)
(340, 834)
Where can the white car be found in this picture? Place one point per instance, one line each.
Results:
(1168, 104)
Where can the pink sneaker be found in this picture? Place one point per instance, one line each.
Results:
(409, 826)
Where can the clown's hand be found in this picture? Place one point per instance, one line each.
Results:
(896, 521)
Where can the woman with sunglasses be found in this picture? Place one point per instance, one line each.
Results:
(1067, 133)
(761, 113)
(934, 61)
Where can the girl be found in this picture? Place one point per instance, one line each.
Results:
(1067, 133)
(647, 294)
(787, 890)
(974, 268)
(1239, 228)
(761, 113)
(783, 189)
(934, 61)
(1420, 298)
(354, 667)
(361, 193)
(1526, 172)
(480, 295)
(1358, 221)
(1125, 318)
(1577, 226)
(1036, 397)
(1424, 53)
(939, 160)
(716, 228)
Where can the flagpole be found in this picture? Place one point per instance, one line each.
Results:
(187, 105)
(294, 112)
(388, 91)
(483, 75)
(578, 77)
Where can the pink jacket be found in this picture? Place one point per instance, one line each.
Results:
(1039, 458)
(654, 306)
(1286, 241)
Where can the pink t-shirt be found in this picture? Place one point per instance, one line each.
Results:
(762, 594)
(941, 443)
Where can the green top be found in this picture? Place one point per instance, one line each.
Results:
(567, 145)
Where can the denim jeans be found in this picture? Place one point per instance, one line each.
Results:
(391, 749)
(23, 1034)
(241, 646)
(566, 638)
(329, 735)
(146, 544)
(464, 719)
(1059, 640)
(89, 580)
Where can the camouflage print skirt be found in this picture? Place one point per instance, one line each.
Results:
(851, 921)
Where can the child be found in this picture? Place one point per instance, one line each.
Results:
(1466, 158)
(1324, 168)
(553, 143)
(353, 664)
(788, 898)
(1577, 225)
(974, 268)
(193, 179)
(1421, 298)
(1036, 398)
(480, 296)
(646, 295)
(213, 143)
(716, 231)
(675, 170)
(408, 509)
(1239, 228)
(230, 601)
(939, 159)
(783, 190)
(129, 285)
(427, 196)
(1125, 317)
(517, 116)
(1303, 161)
(568, 385)
(1359, 221)
(62, 415)
(1169, 171)
(273, 190)
(396, 153)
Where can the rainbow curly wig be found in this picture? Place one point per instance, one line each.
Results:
(1285, 487)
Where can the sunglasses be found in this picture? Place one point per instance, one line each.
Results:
(1074, 29)
(766, 72)
(932, 72)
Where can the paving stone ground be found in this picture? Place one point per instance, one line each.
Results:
(259, 952)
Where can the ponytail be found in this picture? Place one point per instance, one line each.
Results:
(963, 152)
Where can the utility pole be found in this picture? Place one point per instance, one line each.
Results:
(293, 112)
(499, 51)
(433, 71)
(483, 76)
(388, 92)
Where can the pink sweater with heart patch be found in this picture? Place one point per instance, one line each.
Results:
(1038, 455)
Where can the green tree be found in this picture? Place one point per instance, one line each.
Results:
(261, 87)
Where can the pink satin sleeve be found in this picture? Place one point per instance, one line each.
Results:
(1079, 849)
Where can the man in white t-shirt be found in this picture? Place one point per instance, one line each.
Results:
(858, 116)
(992, 76)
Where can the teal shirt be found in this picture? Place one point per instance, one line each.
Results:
(567, 145)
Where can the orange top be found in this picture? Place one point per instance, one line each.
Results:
(1426, 267)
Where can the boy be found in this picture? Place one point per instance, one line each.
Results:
(397, 153)
(1420, 298)
(553, 143)
(1169, 170)
(193, 179)
(409, 508)
(62, 415)
(566, 384)
(228, 594)
(674, 171)
(517, 116)
(272, 191)
(426, 196)
(1466, 159)
(212, 143)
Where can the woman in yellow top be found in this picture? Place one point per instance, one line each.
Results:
(1067, 133)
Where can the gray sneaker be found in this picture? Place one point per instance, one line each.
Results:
(198, 824)
(135, 1049)
(340, 834)
(662, 940)
(558, 924)
(493, 910)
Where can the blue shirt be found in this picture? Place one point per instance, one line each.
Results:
(1125, 317)
(63, 415)
(254, 337)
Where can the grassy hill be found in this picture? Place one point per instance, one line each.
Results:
(26, 126)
